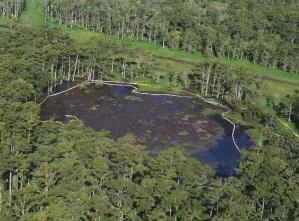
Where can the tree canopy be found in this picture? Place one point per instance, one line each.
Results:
(264, 32)
(52, 171)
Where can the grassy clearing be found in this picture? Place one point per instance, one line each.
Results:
(3, 20)
(211, 112)
(281, 128)
(253, 128)
(33, 13)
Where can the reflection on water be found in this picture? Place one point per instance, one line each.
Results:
(157, 122)
(223, 156)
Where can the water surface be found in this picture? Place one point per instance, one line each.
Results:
(157, 122)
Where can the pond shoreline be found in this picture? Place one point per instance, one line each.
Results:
(135, 90)
(157, 119)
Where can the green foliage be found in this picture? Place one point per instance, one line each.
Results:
(224, 29)
(11, 8)
(50, 171)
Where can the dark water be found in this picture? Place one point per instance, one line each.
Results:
(157, 122)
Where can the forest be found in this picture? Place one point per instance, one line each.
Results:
(53, 171)
(11, 8)
(221, 28)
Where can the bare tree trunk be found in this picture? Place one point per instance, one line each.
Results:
(263, 207)
(0, 200)
(214, 84)
(69, 71)
(208, 80)
(112, 66)
(76, 63)
(290, 112)
(10, 187)
(202, 80)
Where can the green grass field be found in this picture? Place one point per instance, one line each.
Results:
(33, 13)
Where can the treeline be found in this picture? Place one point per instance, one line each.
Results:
(46, 57)
(49, 57)
(287, 108)
(264, 32)
(223, 82)
(11, 8)
(50, 171)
